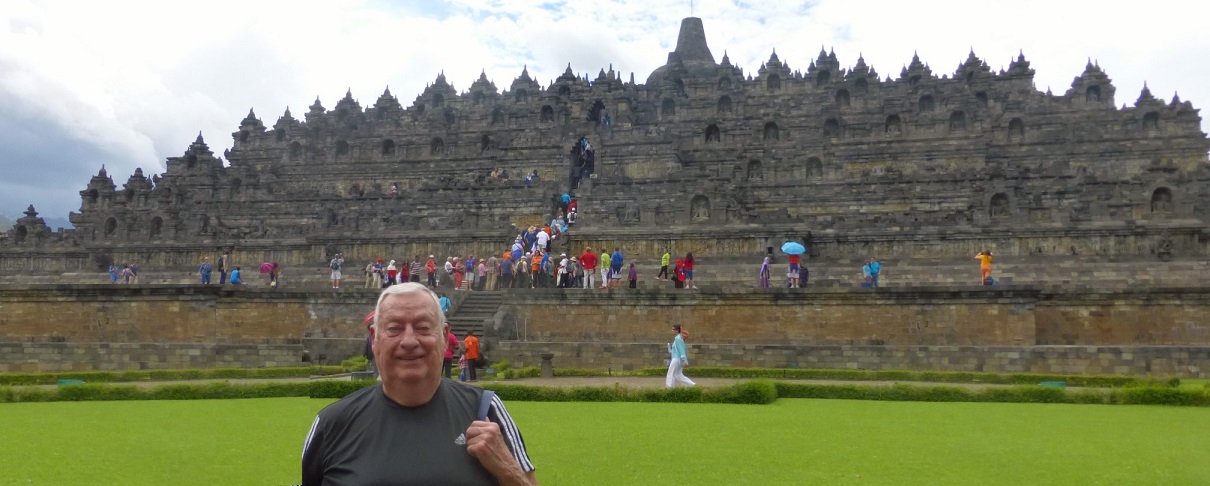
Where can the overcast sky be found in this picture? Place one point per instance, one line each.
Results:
(127, 84)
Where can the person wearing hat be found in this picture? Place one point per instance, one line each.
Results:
(677, 361)
(561, 279)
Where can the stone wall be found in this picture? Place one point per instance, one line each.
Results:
(59, 327)
(1183, 361)
(48, 356)
(936, 316)
(84, 327)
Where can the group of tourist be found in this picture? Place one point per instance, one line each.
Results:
(125, 273)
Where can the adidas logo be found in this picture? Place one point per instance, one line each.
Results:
(461, 440)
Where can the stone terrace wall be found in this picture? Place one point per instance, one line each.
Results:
(980, 316)
(1187, 362)
(86, 327)
(72, 327)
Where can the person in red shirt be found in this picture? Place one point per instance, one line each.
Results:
(472, 354)
(688, 269)
(589, 261)
(793, 272)
(431, 267)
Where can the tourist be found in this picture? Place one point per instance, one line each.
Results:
(665, 259)
(561, 276)
(452, 344)
(388, 433)
(535, 270)
(634, 277)
(236, 278)
(371, 276)
(678, 274)
(472, 353)
(271, 276)
(127, 274)
(459, 269)
(444, 302)
(394, 192)
(471, 274)
(688, 267)
(403, 272)
(334, 268)
(506, 271)
(762, 279)
(449, 268)
(571, 217)
(541, 240)
(461, 364)
(615, 267)
(588, 260)
(392, 274)
(606, 265)
(866, 280)
(204, 270)
(677, 361)
(414, 269)
(577, 277)
(481, 273)
(493, 270)
(115, 272)
(792, 272)
(521, 278)
(430, 267)
(875, 271)
(134, 271)
(224, 266)
(985, 267)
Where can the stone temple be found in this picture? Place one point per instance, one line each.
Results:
(922, 169)
(702, 156)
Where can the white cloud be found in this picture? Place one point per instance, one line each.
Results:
(135, 80)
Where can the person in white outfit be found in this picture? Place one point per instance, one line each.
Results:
(678, 361)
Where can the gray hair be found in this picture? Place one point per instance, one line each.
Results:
(410, 288)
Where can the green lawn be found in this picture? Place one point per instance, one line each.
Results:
(789, 442)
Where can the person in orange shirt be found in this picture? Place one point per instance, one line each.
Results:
(537, 277)
(472, 353)
(985, 266)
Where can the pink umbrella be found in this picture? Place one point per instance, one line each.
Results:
(267, 267)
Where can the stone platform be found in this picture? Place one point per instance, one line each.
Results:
(1015, 328)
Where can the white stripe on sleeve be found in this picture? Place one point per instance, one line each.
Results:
(511, 435)
(310, 435)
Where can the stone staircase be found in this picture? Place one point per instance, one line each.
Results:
(472, 310)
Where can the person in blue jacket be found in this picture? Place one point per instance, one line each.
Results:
(235, 277)
(677, 360)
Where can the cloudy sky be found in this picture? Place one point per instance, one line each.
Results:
(129, 83)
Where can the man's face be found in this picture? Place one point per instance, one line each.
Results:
(409, 342)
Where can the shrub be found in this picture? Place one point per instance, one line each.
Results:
(356, 363)
(336, 388)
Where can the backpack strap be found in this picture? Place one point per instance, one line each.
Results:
(485, 402)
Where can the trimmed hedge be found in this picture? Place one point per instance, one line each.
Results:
(18, 379)
(1091, 381)
(751, 392)
(197, 391)
(1149, 395)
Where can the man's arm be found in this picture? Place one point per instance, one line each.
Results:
(499, 447)
(312, 456)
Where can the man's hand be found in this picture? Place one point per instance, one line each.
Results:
(485, 443)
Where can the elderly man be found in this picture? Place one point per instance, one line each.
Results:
(415, 427)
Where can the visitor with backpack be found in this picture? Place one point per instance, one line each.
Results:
(334, 269)
(985, 267)
(224, 266)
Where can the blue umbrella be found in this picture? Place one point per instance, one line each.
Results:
(792, 248)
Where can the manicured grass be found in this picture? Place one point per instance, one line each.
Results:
(789, 442)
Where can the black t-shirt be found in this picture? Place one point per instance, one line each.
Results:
(368, 439)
